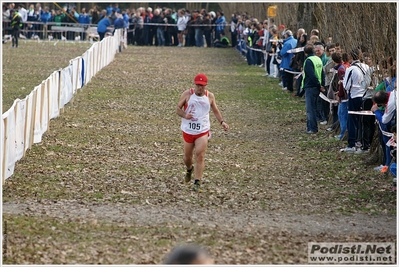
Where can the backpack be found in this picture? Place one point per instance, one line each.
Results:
(367, 76)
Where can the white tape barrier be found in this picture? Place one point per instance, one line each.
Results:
(27, 120)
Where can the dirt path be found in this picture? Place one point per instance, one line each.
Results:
(149, 214)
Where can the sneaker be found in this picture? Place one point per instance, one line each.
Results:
(384, 169)
(329, 129)
(338, 137)
(323, 122)
(348, 149)
(361, 151)
(280, 84)
(196, 186)
(379, 168)
(285, 89)
(260, 66)
(265, 75)
(358, 144)
(311, 132)
(189, 174)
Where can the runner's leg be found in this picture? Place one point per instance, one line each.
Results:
(200, 148)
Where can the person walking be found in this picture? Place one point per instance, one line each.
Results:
(313, 84)
(193, 107)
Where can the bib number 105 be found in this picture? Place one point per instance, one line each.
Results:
(194, 126)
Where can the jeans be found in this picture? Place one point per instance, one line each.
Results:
(392, 169)
(199, 39)
(343, 117)
(160, 36)
(354, 104)
(311, 96)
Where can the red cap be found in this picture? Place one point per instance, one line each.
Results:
(201, 79)
(281, 26)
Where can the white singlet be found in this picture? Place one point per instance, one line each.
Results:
(199, 106)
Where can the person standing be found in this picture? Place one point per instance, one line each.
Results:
(355, 85)
(16, 22)
(193, 107)
(288, 77)
(313, 84)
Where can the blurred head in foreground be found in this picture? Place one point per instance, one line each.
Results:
(188, 254)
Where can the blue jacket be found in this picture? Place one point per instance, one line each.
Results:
(84, 19)
(103, 24)
(289, 43)
(221, 22)
(46, 17)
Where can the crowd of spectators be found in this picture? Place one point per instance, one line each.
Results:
(355, 94)
(160, 26)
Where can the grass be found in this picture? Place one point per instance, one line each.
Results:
(120, 143)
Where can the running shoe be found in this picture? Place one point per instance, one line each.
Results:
(196, 186)
(189, 173)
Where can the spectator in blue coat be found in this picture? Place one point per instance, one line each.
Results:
(220, 23)
(288, 78)
(84, 19)
(103, 25)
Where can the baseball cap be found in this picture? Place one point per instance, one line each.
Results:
(201, 79)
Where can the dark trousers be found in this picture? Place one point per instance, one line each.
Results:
(208, 38)
(354, 104)
(366, 126)
(15, 36)
(288, 80)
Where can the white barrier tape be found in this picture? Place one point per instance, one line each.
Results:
(325, 98)
(295, 50)
(292, 72)
(361, 112)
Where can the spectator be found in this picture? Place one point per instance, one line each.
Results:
(288, 77)
(84, 19)
(16, 22)
(181, 25)
(198, 31)
(147, 28)
(207, 29)
(223, 43)
(23, 13)
(116, 8)
(138, 27)
(220, 24)
(355, 87)
(169, 40)
(190, 41)
(341, 94)
(102, 27)
(159, 29)
(312, 83)
(299, 59)
(233, 29)
(59, 18)
(109, 9)
(323, 107)
(392, 145)
(330, 71)
(384, 109)
(95, 15)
